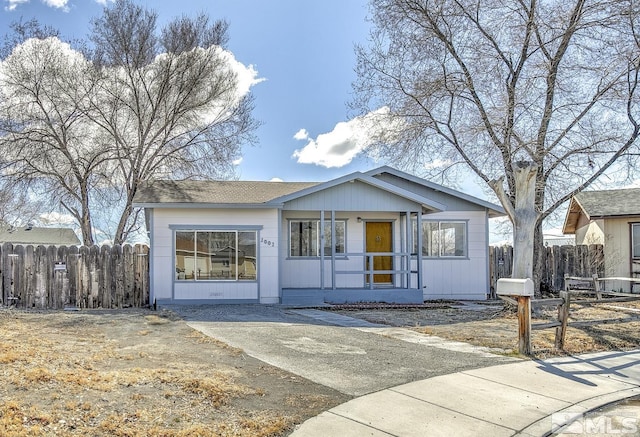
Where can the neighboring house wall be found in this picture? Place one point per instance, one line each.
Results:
(164, 223)
(617, 249)
(590, 232)
(460, 278)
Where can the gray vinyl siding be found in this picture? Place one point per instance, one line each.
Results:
(355, 196)
(453, 203)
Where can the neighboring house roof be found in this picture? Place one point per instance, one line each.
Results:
(271, 194)
(39, 236)
(600, 204)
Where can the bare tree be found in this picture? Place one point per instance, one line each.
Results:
(171, 103)
(48, 142)
(87, 127)
(537, 98)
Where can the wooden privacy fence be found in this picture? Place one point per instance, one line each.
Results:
(80, 277)
(559, 261)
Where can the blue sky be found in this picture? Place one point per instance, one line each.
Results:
(304, 51)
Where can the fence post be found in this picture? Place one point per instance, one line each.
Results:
(596, 287)
(563, 318)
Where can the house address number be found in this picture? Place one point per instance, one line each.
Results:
(267, 242)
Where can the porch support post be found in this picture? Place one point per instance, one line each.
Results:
(280, 263)
(407, 249)
(321, 232)
(419, 237)
(333, 249)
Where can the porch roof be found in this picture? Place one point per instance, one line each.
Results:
(426, 203)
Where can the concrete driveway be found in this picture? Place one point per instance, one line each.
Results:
(352, 356)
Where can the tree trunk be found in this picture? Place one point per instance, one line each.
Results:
(525, 219)
(540, 281)
(523, 216)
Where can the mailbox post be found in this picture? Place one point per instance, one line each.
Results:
(522, 290)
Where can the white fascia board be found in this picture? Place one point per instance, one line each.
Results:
(358, 176)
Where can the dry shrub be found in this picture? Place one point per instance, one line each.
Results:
(217, 388)
(264, 425)
(205, 339)
(152, 319)
(17, 421)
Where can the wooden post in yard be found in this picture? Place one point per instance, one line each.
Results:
(563, 318)
(596, 287)
(524, 325)
(522, 290)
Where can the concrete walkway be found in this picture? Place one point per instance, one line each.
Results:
(527, 398)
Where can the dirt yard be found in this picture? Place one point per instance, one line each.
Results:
(495, 326)
(146, 373)
(140, 373)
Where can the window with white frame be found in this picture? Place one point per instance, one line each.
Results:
(442, 239)
(304, 237)
(226, 255)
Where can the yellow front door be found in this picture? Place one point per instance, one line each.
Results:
(379, 238)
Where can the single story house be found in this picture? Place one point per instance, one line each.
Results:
(36, 236)
(610, 218)
(351, 239)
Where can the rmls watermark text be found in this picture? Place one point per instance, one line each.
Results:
(620, 423)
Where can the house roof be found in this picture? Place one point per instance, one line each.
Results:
(214, 192)
(39, 236)
(163, 193)
(600, 204)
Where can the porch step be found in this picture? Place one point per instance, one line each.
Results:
(350, 295)
(302, 297)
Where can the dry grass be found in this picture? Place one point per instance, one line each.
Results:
(500, 331)
(134, 375)
(497, 326)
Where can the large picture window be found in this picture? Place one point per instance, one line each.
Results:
(216, 255)
(304, 237)
(442, 239)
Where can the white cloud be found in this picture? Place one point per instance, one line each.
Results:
(55, 218)
(246, 75)
(276, 180)
(104, 2)
(238, 161)
(437, 163)
(58, 4)
(13, 4)
(633, 184)
(301, 135)
(347, 139)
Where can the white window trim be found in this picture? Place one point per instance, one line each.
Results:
(318, 238)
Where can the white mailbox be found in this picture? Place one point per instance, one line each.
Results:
(514, 287)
